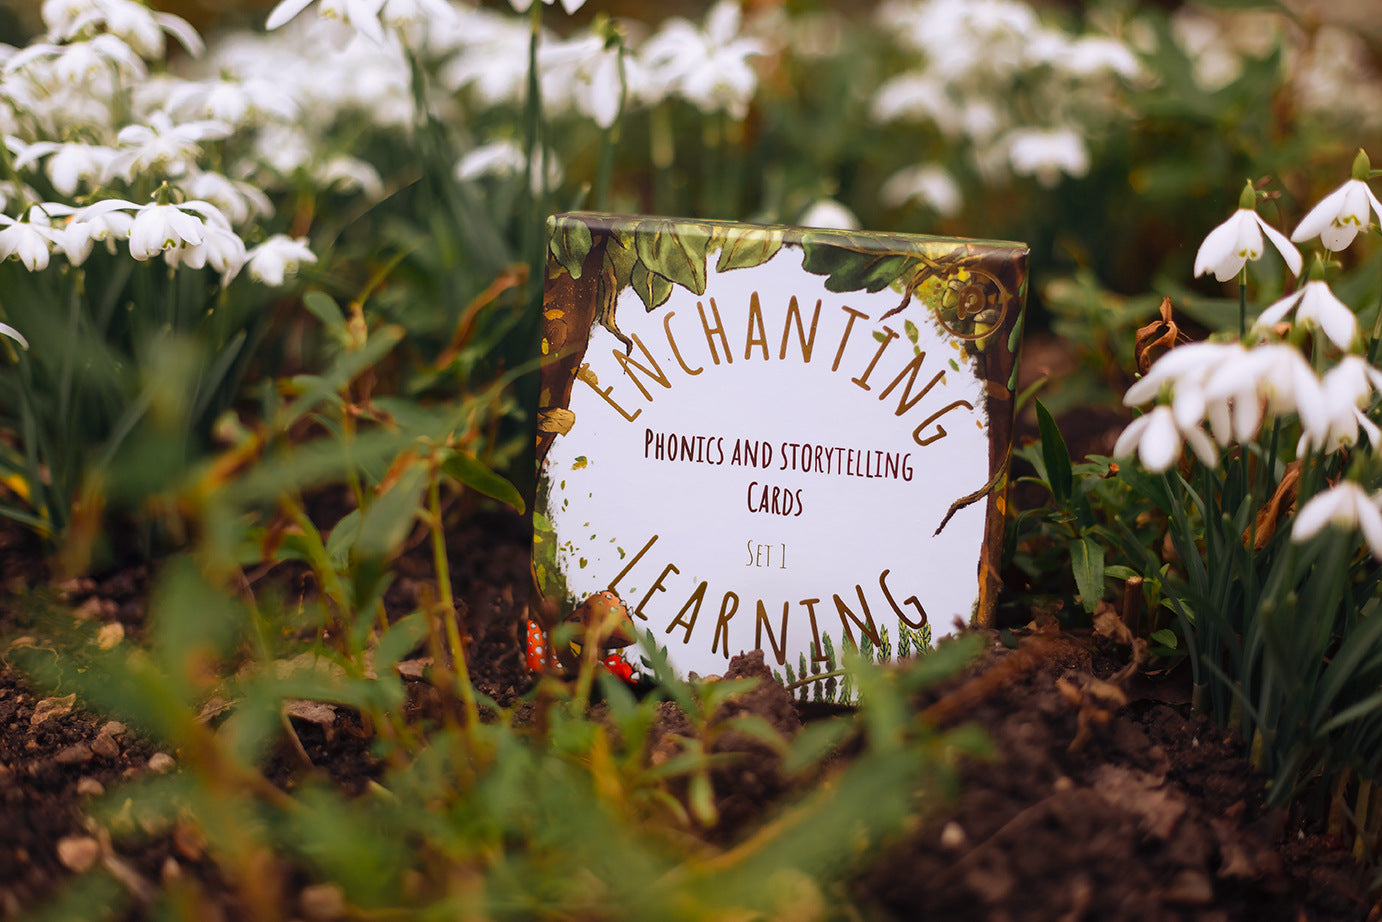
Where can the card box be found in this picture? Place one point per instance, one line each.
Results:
(786, 439)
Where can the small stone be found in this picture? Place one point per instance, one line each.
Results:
(110, 635)
(112, 728)
(95, 608)
(105, 746)
(171, 870)
(1063, 784)
(78, 853)
(49, 708)
(90, 787)
(161, 763)
(188, 841)
(953, 837)
(1190, 888)
(78, 754)
(322, 902)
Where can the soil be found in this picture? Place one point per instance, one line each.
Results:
(1105, 800)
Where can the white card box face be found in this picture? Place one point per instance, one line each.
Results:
(769, 438)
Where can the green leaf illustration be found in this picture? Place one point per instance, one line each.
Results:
(676, 252)
(848, 269)
(746, 247)
(652, 287)
(570, 244)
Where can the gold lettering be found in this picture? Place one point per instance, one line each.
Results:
(910, 600)
(863, 380)
(655, 587)
(779, 648)
(614, 583)
(755, 318)
(676, 353)
(605, 393)
(807, 343)
(697, 597)
(907, 401)
(866, 625)
(940, 430)
(712, 332)
(849, 325)
(627, 362)
(817, 653)
(728, 606)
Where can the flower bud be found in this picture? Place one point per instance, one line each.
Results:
(1362, 166)
(1248, 199)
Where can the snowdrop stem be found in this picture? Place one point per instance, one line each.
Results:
(1376, 334)
(533, 223)
(611, 138)
(1243, 303)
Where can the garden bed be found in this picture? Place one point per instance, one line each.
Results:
(1104, 800)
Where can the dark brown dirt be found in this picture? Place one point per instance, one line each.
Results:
(1097, 808)
(1146, 816)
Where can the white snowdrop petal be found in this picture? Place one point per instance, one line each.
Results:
(1126, 446)
(1160, 444)
(1319, 217)
(1287, 249)
(1319, 512)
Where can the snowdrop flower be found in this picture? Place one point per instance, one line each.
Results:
(1347, 387)
(83, 231)
(349, 174)
(1273, 378)
(31, 241)
(83, 62)
(279, 257)
(162, 145)
(12, 333)
(238, 201)
(140, 27)
(582, 74)
(928, 184)
(157, 227)
(220, 247)
(708, 67)
(1318, 309)
(570, 6)
(1345, 506)
(504, 158)
(1341, 214)
(405, 14)
(1047, 154)
(1228, 247)
(69, 165)
(492, 59)
(1156, 438)
(233, 102)
(826, 212)
(1183, 374)
(1093, 54)
(362, 16)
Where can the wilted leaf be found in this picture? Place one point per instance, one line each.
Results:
(556, 419)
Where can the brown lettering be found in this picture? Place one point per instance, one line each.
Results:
(728, 606)
(807, 343)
